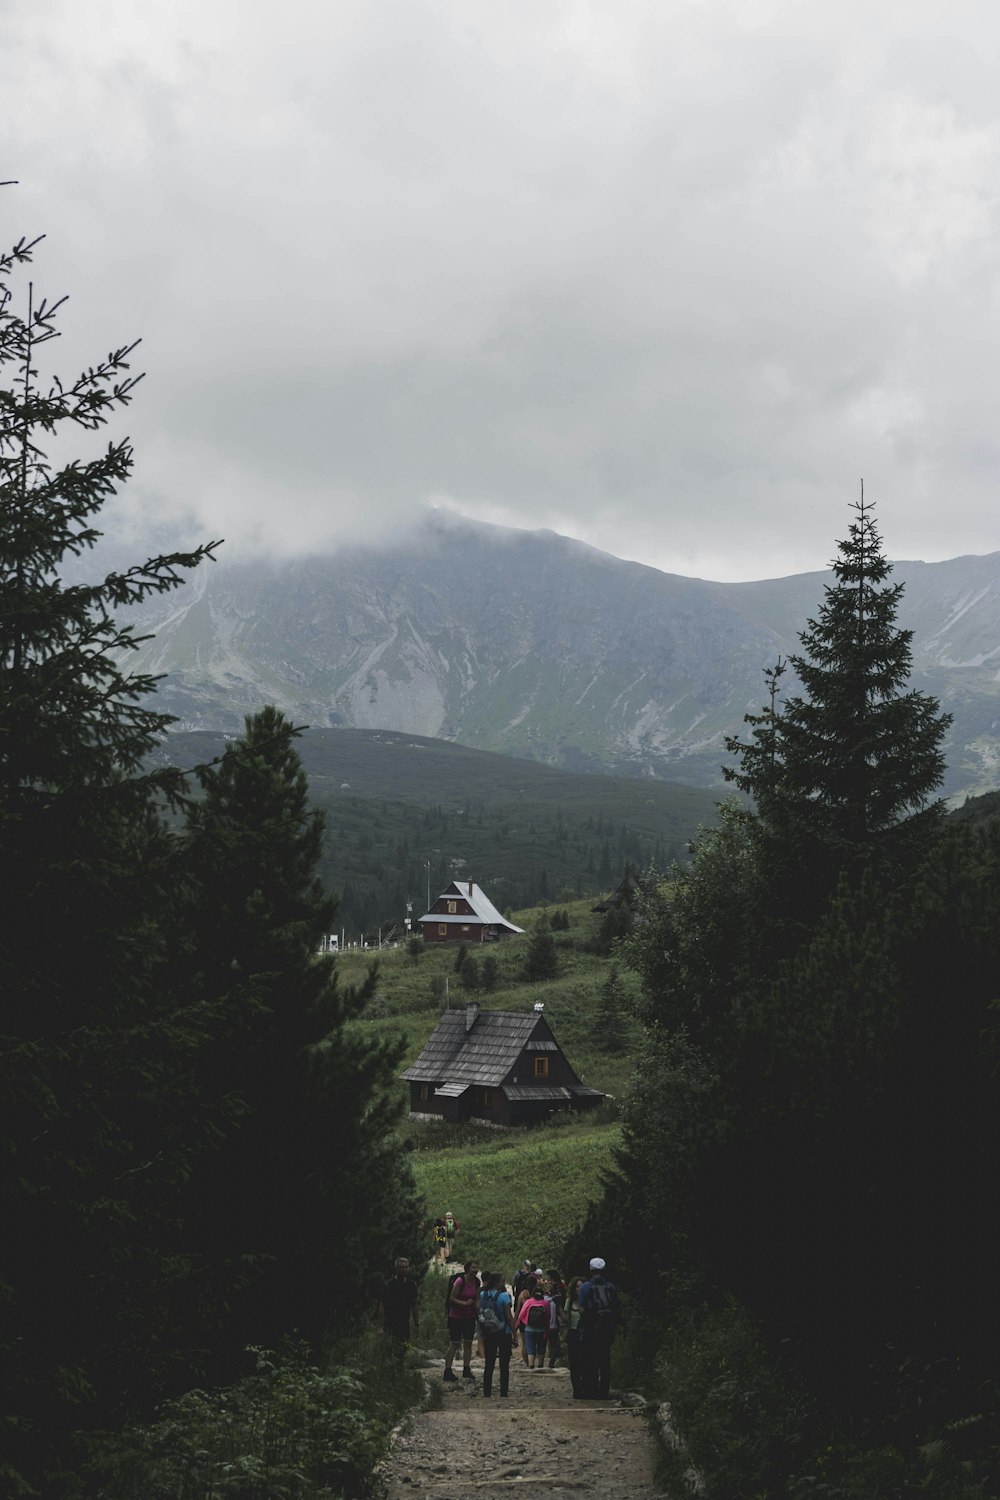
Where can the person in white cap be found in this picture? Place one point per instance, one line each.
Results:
(598, 1323)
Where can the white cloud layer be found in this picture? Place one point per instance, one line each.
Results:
(667, 277)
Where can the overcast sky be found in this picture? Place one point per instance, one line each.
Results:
(669, 276)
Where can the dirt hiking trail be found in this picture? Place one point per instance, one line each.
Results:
(487, 1448)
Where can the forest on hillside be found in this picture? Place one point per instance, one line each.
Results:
(406, 816)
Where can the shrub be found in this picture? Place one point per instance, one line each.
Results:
(740, 1419)
(287, 1432)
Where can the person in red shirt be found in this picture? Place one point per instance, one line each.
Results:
(463, 1304)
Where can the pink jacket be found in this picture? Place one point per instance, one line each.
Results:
(522, 1317)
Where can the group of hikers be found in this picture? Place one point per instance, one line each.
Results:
(536, 1314)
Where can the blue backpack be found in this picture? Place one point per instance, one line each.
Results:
(491, 1319)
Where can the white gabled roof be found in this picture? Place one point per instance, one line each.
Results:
(478, 900)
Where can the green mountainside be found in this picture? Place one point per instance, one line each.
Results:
(523, 831)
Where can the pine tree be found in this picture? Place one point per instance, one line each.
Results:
(95, 1057)
(814, 1071)
(542, 959)
(845, 773)
(307, 1184)
(610, 1032)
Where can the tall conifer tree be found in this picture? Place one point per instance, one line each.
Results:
(307, 1186)
(845, 773)
(93, 1063)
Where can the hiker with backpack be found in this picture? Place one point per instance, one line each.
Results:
(520, 1276)
(598, 1323)
(527, 1289)
(461, 1305)
(496, 1326)
(533, 1321)
(556, 1288)
(573, 1353)
(451, 1227)
(440, 1234)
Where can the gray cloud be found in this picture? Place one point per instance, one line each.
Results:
(667, 278)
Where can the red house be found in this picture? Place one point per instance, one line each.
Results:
(464, 914)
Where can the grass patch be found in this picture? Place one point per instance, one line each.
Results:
(407, 1005)
(519, 1193)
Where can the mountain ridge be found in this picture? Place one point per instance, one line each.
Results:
(541, 646)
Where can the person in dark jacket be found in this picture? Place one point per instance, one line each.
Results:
(598, 1325)
(398, 1301)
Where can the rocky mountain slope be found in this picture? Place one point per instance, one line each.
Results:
(538, 646)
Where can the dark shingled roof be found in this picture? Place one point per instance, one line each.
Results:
(484, 1054)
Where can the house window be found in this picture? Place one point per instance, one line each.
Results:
(425, 1091)
(442, 929)
(484, 1098)
(452, 907)
(540, 1067)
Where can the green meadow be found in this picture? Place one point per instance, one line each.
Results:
(515, 1193)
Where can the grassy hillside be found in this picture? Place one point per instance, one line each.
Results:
(518, 1192)
(405, 814)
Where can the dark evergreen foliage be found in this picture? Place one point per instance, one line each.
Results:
(95, 1060)
(610, 1028)
(490, 973)
(197, 1143)
(469, 974)
(843, 775)
(305, 1184)
(815, 1118)
(541, 960)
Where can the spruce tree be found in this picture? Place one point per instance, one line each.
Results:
(845, 773)
(814, 1110)
(95, 1057)
(307, 1184)
(542, 959)
(610, 1034)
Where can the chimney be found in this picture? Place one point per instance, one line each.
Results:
(470, 887)
(471, 1012)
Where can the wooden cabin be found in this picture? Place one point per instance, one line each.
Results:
(465, 914)
(502, 1067)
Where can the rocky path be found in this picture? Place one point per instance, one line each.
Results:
(476, 1448)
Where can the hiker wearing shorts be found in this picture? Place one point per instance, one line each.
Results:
(463, 1302)
(528, 1287)
(533, 1321)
